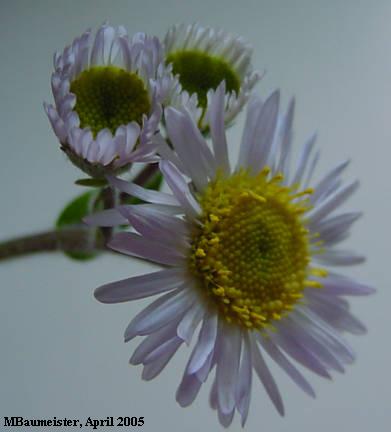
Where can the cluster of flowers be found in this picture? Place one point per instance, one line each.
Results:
(246, 248)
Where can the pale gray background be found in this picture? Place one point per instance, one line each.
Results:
(61, 351)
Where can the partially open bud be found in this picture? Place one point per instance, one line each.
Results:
(106, 97)
(201, 58)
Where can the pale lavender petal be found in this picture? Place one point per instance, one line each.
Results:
(142, 193)
(205, 343)
(104, 142)
(351, 324)
(217, 128)
(284, 136)
(335, 312)
(292, 345)
(266, 378)
(127, 136)
(86, 141)
(98, 47)
(336, 284)
(254, 108)
(329, 177)
(156, 225)
(264, 132)
(106, 218)
(186, 146)
(203, 372)
(311, 169)
(227, 367)
(340, 258)
(188, 390)
(160, 350)
(286, 365)
(153, 369)
(312, 343)
(135, 245)
(213, 395)
(327, 332)
(159, 313)
(180, 189)
(190, 321)
(333, 229)
(331, 203)
(303, 159)
(166, 152)
(151, 342)
(243, 388)
(140, 286)
(225, 419)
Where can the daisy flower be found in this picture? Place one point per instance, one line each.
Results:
(247, 255)
(106, 107)
(201, 58)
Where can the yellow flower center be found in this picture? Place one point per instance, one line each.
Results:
(108, 97)
(250, 253)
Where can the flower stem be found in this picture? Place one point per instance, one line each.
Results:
(146, 174)
(70, 239)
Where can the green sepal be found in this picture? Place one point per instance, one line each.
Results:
(91, 182)
(72, 214)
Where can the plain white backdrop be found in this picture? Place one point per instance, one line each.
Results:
(62, 352)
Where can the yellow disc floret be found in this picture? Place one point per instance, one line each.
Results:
(108, 97)
(250, 253)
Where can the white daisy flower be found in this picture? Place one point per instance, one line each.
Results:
(247, 257)
(106, 107)
(201, 58)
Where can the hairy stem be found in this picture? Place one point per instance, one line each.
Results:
(72, 239)
(146, 174)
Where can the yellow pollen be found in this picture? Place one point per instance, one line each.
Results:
(250, 251)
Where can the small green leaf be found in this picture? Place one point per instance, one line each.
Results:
(72, 214)
(91, 182)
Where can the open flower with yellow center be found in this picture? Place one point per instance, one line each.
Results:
(201, 58)
(106, 107)
(247, 257)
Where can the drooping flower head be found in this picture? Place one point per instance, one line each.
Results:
(105, 88)
(248, 255)
(201, 58)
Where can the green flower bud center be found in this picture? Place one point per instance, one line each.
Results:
(108, 97)
(250, 254)
(199, 72)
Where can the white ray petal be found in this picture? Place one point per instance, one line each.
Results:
(227, 367)
(217, 128)
(266, 378)
(275, 353)
(159, 313)
(331, 203)
(205, 343)
(151, 342)
(142, 193)
(188, 390)
(135, 245)
(180, 189)
(140, 286)
(340, 257)
(244, 385)
(153, 369)
(190, 321)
